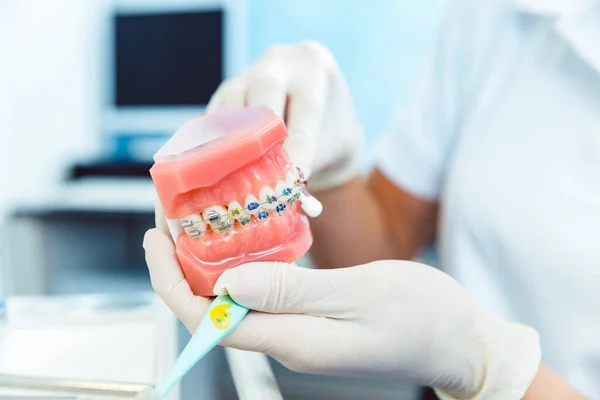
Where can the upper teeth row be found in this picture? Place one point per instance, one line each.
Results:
(221, 219)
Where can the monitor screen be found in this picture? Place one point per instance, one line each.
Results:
(167, 59)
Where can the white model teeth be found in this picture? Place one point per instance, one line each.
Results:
(283, 191)
(252, 205)
(289, 181)
(237, 212)
(217, 217)
(293, 183)
(193, 225)
(268, 198)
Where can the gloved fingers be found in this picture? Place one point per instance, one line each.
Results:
(215, 101)
(304, 117)
(159, 218)
(168, 280)
(267, 90)
(302, 343)
(282, 288)
(229, 95)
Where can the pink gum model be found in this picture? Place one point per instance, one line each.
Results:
(229, 193)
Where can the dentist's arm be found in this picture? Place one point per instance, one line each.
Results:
(370, 219)
(547, 385)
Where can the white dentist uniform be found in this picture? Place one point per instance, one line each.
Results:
(505, 133)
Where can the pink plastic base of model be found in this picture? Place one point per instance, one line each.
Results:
(202, 275)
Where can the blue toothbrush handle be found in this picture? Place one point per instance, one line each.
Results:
(221, 318)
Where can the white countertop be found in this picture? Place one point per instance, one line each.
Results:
(115, 338)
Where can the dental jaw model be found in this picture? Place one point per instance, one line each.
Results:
(231, 194)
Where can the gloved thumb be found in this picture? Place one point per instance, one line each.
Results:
(282, 288)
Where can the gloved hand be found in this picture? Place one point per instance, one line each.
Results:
(397, 319)
(303, 84)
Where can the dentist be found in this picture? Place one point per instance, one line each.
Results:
(498, 159)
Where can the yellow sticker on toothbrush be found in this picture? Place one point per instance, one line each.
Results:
(220, 316)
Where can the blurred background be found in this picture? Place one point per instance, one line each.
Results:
(90, 89)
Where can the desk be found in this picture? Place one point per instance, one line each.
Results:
(112, 338)
(81, 219)
(130, 339)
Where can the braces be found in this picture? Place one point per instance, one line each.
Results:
(225, 226)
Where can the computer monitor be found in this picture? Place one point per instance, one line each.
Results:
(166, 58)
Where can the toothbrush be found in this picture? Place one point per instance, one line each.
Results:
(221, 318)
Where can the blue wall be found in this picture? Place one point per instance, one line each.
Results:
(379, 44)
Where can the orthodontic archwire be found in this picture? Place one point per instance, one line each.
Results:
(224, 226)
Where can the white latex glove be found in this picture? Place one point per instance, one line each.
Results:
(395, 319)
(303, 84)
